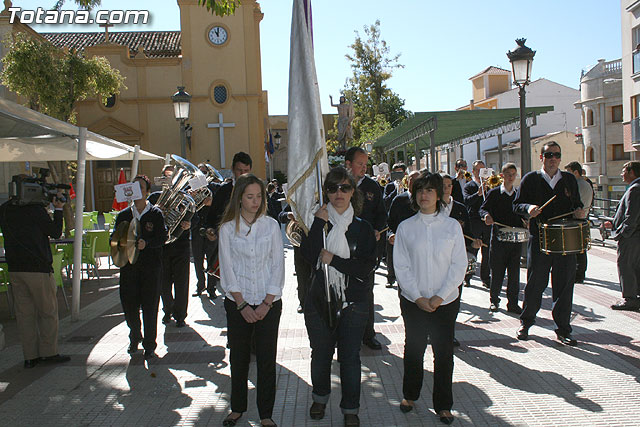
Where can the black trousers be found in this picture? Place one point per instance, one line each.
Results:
(304, 273)
(505, 256)
(240, 335)
(369, 331)
(391, 272)
(175, 275)
(483, 231)
(581, 267)
(629, 266)
(563, 269)
(201, 247)
(140, 289)
(419, 325)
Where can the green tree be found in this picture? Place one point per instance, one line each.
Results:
(52, 81)
(220, 7)
(374, 102)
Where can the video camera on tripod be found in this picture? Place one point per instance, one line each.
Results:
(28, 190)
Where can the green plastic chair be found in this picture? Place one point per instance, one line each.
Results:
(5, 287)
(87, 222)
(109, 218)
(57, 273)
(102, 243)
(89, 255)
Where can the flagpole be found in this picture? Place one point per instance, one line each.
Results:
(325, 267)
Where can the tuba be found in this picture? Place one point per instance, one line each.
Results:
(174, 201)
(201, 194)
(294, 233)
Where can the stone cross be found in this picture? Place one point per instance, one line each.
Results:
(106, 31)
(221, 125)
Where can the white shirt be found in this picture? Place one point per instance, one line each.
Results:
(137, 215)
(552, 181)
(429, 257)
(252, 263)
(503, 189)
(586, 193)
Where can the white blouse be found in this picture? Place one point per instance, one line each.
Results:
(252, 263)
(429, 257)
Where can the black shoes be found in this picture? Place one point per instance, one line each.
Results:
(493, 307)
(133, 346)
(31, 363)
(197, 294)
(390, 285)
(372, 343)
(58, 358)
(351, 420)
(232, 419)
(406, 407)
(627, 305)
(213, 295)
(446, 417)
(180, 324)
(486, 285)
(515, 309)
(149, 354)
(316, 411)
(523, 333)
(566, 339)
(166, 319)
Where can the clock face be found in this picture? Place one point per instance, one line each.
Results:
(218, 35)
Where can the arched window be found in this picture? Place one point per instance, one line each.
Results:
(589, 157)
(589, 117)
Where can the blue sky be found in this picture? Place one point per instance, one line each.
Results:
(441, 43)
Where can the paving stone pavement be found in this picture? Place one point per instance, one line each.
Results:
(497, 379)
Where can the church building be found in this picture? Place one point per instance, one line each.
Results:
(216, 60)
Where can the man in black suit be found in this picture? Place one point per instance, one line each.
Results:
(399, 210)
(372, 211)
(474, 194)
(240, 165)
(626, 230)
(536, 188)
(459, 181)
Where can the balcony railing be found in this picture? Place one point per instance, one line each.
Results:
(636, 61)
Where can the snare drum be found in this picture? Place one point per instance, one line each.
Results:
(567, 236)
(513, 234)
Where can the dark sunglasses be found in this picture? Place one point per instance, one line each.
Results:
(550, 155)
(344, 188)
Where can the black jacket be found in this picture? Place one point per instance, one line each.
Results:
(373, 208)
(534, 190)
(400, 210)
(26, 230)
(459, 213)
(218, 205)
(358, 267)
(152, 231)
(456, 191)
(500, 206)
(472, 200)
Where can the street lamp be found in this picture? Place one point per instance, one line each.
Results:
(521, 59)
(181, 102)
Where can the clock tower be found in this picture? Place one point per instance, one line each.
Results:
(220, 68)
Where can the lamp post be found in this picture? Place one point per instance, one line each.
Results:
(521, 59)
(276, 140)
(181, 103)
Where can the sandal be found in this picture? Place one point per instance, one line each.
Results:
(231, 420)
(406, 407)
(446, 417)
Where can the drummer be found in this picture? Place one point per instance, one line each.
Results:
(497, 211)
(537, 188)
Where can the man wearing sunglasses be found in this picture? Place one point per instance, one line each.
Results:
(372, 211)
(536, 188)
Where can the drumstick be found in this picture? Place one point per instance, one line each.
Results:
(548, 201)
(502, 225)
(471, 238)
(383, 230)
(560, 216)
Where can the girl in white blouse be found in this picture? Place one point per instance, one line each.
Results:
(251, 259)
(430, 261)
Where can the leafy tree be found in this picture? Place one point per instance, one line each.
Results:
(52, 81)
(84, 4)
(220, 7)
(377, 108)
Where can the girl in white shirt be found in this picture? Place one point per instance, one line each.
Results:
(251, 259)
(430, 261)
